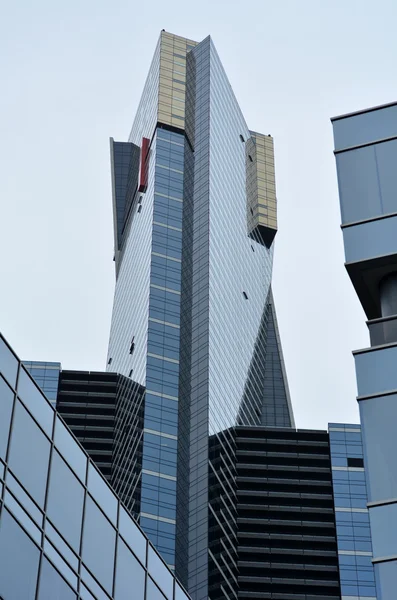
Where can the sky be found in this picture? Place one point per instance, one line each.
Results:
(71, 77)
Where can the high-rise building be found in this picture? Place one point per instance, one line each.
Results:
(64, 534)
(193, 318)
(353, 533)
(366, 155)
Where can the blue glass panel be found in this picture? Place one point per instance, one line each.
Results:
(29, 454)
(35, 402)
(102, 493)
(8, 363)
(52, 585)
(23, 518)
(160, 573)
(18, 555)
(99, 539)
(130, 575)
(132, 535)
(65, 501)
(152, 591)
(6, 402)
(70, 449)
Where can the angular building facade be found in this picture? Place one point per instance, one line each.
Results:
(193, 318)
(64, 534)
(366, 155)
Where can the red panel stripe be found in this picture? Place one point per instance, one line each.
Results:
(144, 165)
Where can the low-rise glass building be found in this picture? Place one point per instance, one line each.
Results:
(63, 532)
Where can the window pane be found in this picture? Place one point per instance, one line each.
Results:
(93, 585)
(130, 576)
(70, 449)
(8, 363)
(18, 554)
(6, 400)
(132, 535)
(52, 586)
(179, 593)
(98, 544)
(152, 591)
(29, 454)
(102, 493)
(35, 401)
(65, 501)
(18, 512)
(160, 573)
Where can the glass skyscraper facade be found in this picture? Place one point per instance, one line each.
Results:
(366, 155)
(356, 571)
(63, 532)
(193, 318)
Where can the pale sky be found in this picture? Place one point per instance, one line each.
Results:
(71, 77)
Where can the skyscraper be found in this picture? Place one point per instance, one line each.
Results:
(193, 317)
(366, 155)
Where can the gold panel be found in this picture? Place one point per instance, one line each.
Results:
(261, 188)
(172, 81)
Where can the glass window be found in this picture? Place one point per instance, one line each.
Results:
(24, 499)
(132, 535)
(61, 546)
(58, 561)
(102, 493)
(18, 512)
(6, 400)
(85, 594)
(129, 574)
(52, 585)
(70, 449)
(18, 554)
(160, 573)
(29, 454)
(8, 363)
(179, 593)
(35, 402)
(93, 585)
(65, 501)
(152, 591)
(99, 539)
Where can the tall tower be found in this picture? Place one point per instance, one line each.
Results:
(366, 159)
(193, 317)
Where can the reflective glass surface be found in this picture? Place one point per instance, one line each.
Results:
(6, 402)
(8, 363)
(98, 488)
(130, 575)
(19, 561)
(30, 467)
(46, 375)
(99, 539)
(33, 400)
(52, 586)
(72, 452)
(351, 514)
(63, 520)
(65, 510)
